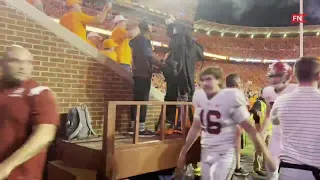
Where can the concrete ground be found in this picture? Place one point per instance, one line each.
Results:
(246, 163)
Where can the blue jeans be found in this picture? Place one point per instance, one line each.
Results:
(127, 67)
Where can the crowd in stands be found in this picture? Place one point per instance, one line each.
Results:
(262, 48)
(258, 76)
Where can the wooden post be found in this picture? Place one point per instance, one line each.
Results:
(163, 122)
(136, 126)
(108, 142)
(184, 121)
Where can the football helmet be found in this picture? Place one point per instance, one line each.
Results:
(280, 74)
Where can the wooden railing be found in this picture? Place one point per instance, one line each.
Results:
(108, 142)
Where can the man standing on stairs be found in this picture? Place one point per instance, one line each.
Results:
(76, 21)
(142, 67)
(28, 120)
(121, 36)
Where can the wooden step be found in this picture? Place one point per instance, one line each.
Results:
(57, 170)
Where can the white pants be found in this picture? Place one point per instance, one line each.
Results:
(295, 174)
(218, 166)
(275, 149)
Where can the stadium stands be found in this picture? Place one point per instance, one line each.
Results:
(262, 48)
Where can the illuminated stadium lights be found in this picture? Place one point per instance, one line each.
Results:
(236, 59)
(253, 60)
(207, 54)
(215, 56)
(268, 35)
(288, 60)
(268, 61)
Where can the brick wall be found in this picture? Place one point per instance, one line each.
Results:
(73, 76)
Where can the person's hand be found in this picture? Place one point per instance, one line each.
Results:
(108, 4)
(181, 161)
(5, 171)
(166, 56)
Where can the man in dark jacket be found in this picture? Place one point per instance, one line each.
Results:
(142, 68)
(179, 73)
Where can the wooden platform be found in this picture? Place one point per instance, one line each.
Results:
(120, 156)
(149, 155)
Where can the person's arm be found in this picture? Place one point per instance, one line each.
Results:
(193, 133)
(86, 19)
(259, 143)
(41, 138)
(241, 116)
(119, 35)
(103, 15)
(192, 136)
(256, 113)
(148, 52)
(45, 120)
(133, 32)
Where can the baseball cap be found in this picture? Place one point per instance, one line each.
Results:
(70, 3)
(94, 34)
(119, 18)
(109, 43)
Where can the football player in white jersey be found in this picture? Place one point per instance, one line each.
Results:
(217, 112)
(280, 75)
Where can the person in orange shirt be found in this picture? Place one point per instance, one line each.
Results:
(76, 21)
(37, 4)
(109, 45)
(122, 37)
(94, 39)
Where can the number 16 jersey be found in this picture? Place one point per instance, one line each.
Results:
(219, 117)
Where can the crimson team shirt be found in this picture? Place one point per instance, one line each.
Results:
(219, 117)
(22, 108)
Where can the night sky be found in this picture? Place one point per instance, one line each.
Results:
(258, 13)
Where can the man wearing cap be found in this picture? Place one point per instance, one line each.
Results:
(142, 68)
(121, 36)
(108, 49)
(76, 21)
(28, 120)
(94, 39)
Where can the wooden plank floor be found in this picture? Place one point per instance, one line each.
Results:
(96, 142)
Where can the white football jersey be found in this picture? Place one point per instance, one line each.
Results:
(219, 117)
(270, 95)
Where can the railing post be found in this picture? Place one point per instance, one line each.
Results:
(108, 142)
(136, 126)
(184, 121)
(163, 122)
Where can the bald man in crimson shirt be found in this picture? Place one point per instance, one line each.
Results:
(28, 118)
